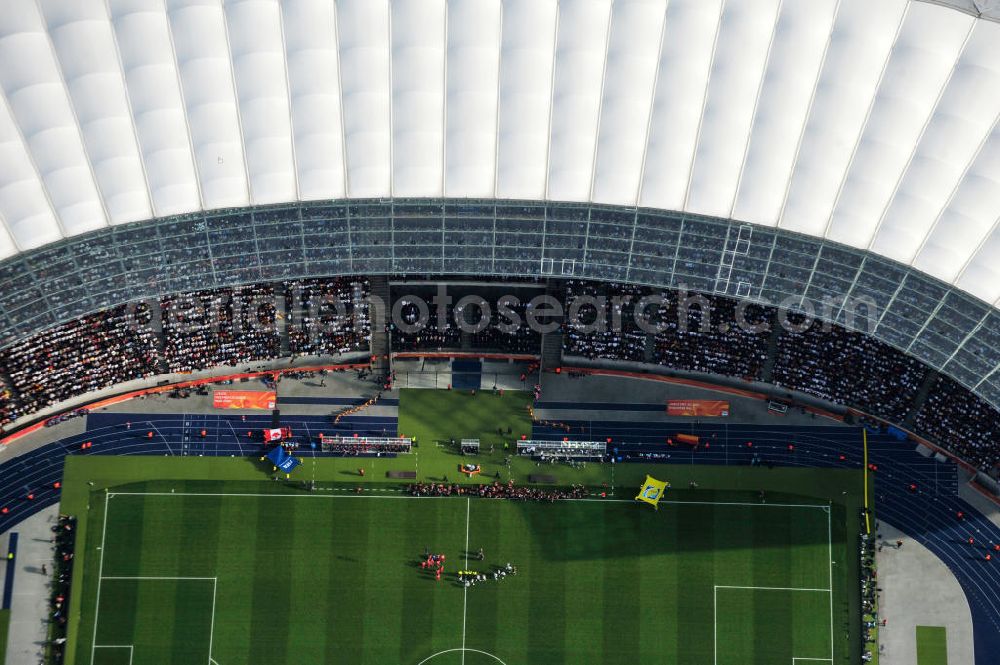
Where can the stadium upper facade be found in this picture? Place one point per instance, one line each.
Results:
(765, 149)
(872, 123)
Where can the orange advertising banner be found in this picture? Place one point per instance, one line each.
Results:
(244, 399)
(697, 407)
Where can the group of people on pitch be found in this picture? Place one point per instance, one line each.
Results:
(469, 578)
(498, 490)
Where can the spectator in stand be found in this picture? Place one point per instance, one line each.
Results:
(328, 316)
(81, 356)
(232, 326)
(220, 327)
(434, 335)
(849, 368)
(495, 338)
(628, 343)
(723, 345)
(722, 348)
(201, 329)
(963, 423)
(835, 364)
(9, 406)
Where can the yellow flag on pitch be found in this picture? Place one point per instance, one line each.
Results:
(652, 491)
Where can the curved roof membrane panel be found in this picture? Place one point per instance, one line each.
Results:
(873, 123)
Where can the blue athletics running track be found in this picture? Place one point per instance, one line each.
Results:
(37, 472)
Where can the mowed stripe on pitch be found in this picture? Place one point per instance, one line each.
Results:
(337, 581)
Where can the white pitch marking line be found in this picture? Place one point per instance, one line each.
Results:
(100, 577)
(131, 649)
(369, 496)
(286, 496)
(829, 543)
(710, 503)
(465, 594)
(235, 435)
(211, 632)
(153, 425)
(441, 653)
(770, 588)
(163, 577)
(468, 505)
(715, 614)
(215, 588)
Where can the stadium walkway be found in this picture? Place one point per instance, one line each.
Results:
(909, 577)
(28, 623)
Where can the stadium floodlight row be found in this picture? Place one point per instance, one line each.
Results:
(941, 325)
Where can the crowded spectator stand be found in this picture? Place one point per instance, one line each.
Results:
(10, 408)
(496, 334)
(847, 367)
(711, 341)
(180, 333)
(828, 362)
(433, 336)
(328, 316)
(962, 423)
(629, 343)
(88, 354)
(220, 327)
(207, 329)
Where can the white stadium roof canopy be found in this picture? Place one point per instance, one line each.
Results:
(872, 123)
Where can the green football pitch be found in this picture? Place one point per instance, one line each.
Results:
(202, 561)
(210, 576)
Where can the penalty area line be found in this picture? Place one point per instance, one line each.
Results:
(130, 647)
(770, 588)
(166, 577)
(211, 632)
(100, 578)
(715, 615)
(146, 578)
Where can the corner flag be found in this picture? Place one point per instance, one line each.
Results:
(652, 491)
